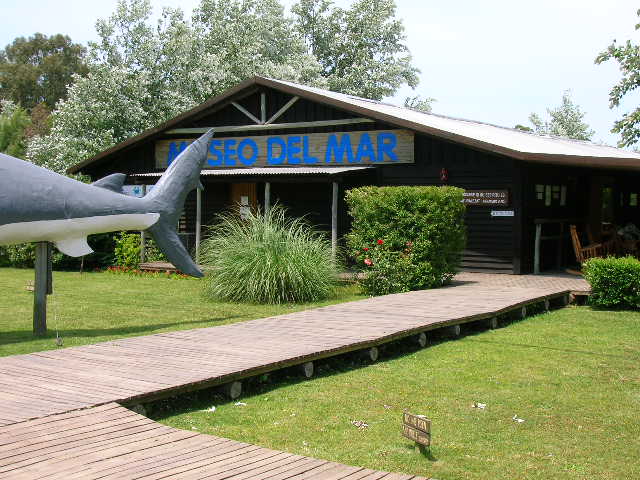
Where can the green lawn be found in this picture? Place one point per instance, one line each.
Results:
(573, 376)
(95, 307)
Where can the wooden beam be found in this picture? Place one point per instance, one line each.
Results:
(334, 219)
(279, 113)
(270, 126)
(198, 222)
(263, 108)
(41, 287)
(246, 112)
(267, 197)
(536, 252)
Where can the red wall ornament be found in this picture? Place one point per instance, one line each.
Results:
(444, 175)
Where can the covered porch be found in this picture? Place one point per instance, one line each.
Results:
(315, 193)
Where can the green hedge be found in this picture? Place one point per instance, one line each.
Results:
(406, 238)
(615, 282)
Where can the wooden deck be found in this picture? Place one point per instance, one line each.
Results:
(111, 441)
(42, 394)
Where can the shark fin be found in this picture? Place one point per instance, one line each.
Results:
(168, 241)
(113, 182)
(74, 247)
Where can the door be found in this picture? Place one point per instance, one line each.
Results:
(244, 198)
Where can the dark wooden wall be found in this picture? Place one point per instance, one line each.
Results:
(490, 240)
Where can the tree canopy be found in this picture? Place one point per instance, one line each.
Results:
(628, 57)
(361, 49)
(38, 69)
(141, 74)
(14, 120)
(566, 120)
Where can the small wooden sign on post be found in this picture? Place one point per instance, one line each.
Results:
(418, 429)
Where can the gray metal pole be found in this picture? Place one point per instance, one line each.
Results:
(267, 197)
(536, 252)
(41, 287)
(334, 219)
(198, 222)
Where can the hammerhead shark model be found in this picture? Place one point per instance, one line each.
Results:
(38, 205)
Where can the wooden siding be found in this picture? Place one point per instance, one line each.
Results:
(490, 245)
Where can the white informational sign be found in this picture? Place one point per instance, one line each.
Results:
(502, 213)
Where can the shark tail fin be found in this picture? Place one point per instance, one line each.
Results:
(168, 197)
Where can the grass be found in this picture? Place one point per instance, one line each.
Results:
(573, 375)
(95, 307)
(268, 258)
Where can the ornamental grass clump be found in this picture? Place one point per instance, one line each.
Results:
(267, 258)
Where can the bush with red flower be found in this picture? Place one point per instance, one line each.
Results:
(406, 238)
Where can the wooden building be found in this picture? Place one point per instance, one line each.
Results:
(303, 147)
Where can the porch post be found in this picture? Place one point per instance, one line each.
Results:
(536, 253)
(334, 219)
(267, 197)
(143, 235)
(198, 222)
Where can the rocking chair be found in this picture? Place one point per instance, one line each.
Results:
(588, 251)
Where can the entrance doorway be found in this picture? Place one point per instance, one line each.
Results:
(244, 197)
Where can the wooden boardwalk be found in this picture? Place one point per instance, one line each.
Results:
(42, 394)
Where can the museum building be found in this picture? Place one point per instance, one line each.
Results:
(303, 147)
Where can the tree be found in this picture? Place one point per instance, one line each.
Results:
(141, 74)
(361, 49)
(38, 69)
(418, 103)
(13, 122)
(565, 120)
(628, 57)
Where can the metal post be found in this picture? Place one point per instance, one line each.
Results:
(198, 222)
(536, 254)
(334, 219)
(41, 286)
(267, 197)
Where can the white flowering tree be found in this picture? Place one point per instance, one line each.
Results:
(566, 120)
(141, 74)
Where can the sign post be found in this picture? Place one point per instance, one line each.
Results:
(418, 429)
(42, 287)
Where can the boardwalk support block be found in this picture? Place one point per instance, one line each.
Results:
(232, 390)
(307, 369)
(421, 339)
(140, 409)
(523, 312)
(371, 354)
(547, 305)
(453, 331)
(492, 323)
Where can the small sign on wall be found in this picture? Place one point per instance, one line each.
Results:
(502, 213)
(485, 198)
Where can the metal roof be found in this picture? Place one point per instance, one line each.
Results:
(266, 171)
(502, 140)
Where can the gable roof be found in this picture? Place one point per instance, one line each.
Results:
(505, 141)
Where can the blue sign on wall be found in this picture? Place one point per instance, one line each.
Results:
(315, 149)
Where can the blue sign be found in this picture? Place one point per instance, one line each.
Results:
(316, 149)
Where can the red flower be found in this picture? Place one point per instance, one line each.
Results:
(367, 261)
(409, 244)
(380, 242)
(366, 249)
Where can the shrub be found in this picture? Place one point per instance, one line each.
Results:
(615, 282)
(406, 238)
(127, 250)
(267, 258)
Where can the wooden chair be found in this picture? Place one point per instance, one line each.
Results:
(588, 251)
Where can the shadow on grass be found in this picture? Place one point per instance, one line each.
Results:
(13, 337)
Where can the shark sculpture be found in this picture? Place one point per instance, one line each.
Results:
(39, 205)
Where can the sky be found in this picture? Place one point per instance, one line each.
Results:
(494, 61)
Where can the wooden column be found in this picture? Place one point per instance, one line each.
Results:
(198, 222)
(143, 235)
(267, 197)
(334, 219)
(536, 253)
(42, 286)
